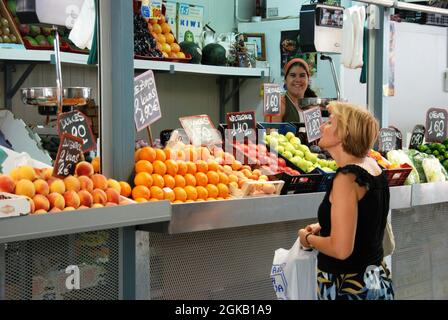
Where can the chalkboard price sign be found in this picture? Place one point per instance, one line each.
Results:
(201, 130)
(418, 134)
(146, 101)
(75, 123)
(313, 121)
(399, 135)
(436, 124)
(241, 124)
(69, 154)
(387, 140)
(271, 99)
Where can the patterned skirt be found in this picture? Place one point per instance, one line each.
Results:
(374, 284)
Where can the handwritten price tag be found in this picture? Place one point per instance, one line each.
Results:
(271, 99)
(313, 121)
(146, 101)
(387, 140)
(241, 124)
(418, 134)
(69, 154)
(436, 124)
(75, 124)
(201, 130)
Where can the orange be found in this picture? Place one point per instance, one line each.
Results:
(166, 55)
(180, 193)
(212, 190)
(182, 167)
(201, 179)
(237, 165)
(150, 28)
(161, 38)
(143, 179)
(246, 167)
(233, 178)
(173, 55)
(202, 193)
(156, 28)
(234, 184)
(228, 158)
(200, 200)
(190, 180)
(137, 155)
(181, 55)
(156, 193)
(169, 38)
(210, 199)
(158, 180)
(213, 177)
(202, 166)
(212, 165)
(165, 27)
(204, 153)
(169, 154)
(125, 189)
(180, 155)
(141, 200)
(191, 154)
(178, 201)
(171, 167)
(223, 190)
(153, 21)
(180, 181)
(153, 200)
(189, 201)
(191, 167)
(162, 19)
(143, 166)
(147, 153)
(166, 47)
(168, 194)
(175, 48)
(96, 164)
(141, 192)
(257, 172)
(160, 155)
(169, 181)
(159, 167)
(223, 178)
(192, 193)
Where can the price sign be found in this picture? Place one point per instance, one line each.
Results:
(313, 121)
(418, 134)
(241, 124)
(399, 135)
(201, 130)
(387, 140)
(69, 154)
(271, 99)
(75, 123)
(436, 124)
(146, 101)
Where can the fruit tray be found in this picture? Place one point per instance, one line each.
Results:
(63, 46)
(257, 189)
(282, 127)
(185, 60)
(12, 205)
(397, 177)
(304, 183)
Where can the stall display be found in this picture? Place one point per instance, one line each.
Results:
(9, 35)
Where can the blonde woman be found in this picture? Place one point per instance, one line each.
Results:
(353, 215)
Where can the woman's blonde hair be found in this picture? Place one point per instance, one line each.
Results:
(357, 128)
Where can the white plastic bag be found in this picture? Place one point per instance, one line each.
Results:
(294, 273)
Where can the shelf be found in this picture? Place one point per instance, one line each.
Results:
(429, 193)
(44, 56)
(50, 225)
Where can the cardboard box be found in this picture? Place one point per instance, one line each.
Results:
(190, 18)
(13, 206)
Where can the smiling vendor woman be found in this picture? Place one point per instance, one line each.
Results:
(297, 79)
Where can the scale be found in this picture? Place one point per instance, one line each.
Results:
(53, 100)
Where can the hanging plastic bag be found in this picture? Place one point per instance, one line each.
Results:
(294, 273)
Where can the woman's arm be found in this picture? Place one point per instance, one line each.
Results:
(344, 216)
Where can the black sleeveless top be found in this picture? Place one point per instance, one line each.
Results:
(373, 209)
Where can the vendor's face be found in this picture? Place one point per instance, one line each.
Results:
(329, 130)
(297, 81)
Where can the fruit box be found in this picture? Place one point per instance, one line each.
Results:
(13, 206)
(12, 27)
(304, 183)
(397, 177)
(257, 189)
(63, 46)
(327, 177)
(281, 127)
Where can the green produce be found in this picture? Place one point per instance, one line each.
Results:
(31, 40)
(34, 30)
(214, 54)
(4, 22)
(50, 40)
(12, 6)
(188, 46)
(6, 39)
(400, 157)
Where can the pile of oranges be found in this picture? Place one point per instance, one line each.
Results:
(166, 42)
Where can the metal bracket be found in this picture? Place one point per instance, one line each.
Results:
(11, 89)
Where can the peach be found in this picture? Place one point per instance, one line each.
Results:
(99, 182)
(84, 169)
(41, 187)
(41, 211)
(268, 188)
(46, 173)
(124, 203)
(99, 197)
(14, 174)
(32, 206)
(26, 172)
(7, 184)
(71, 199)
(72, 184)
(83, 208)
(97, 205)
(85, 198)
(86, 183)
(41, 202)
(111, 204)
(69, 209)
(114, 184)
(113, 196)
(55, 210)
(58, 186)
(56, 200)
(96, 164)
(25, 188)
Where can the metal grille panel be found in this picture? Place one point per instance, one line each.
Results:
(420, 261)
(35, 269)
(222, 264)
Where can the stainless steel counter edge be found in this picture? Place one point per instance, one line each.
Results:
(429, 193)
(49, 225)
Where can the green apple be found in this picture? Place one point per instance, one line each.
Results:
(295, 140)
(280, 149)
(287, 155)
(267, 139)
(282, 138)
(304, 148)
(299, 153)
(274, 134)
(311, 157)
(290, 136)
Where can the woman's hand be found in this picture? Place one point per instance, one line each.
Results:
(302, 234)
(313, 228)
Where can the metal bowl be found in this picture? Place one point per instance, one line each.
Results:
(47, 96)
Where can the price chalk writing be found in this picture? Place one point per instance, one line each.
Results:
(313, 121)
(201, 130)
(271, 99)
(387, 140)
(69, 154)
(146, 101)
(241, 124)
(436, 125)
(399, 135)
(418, 134)
(75, 123)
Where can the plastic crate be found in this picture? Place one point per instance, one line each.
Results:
(397, 177)
(281, 127)
(304, 183)
(327, 178)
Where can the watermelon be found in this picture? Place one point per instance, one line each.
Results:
(214, 54)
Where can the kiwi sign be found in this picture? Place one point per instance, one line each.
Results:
(75, 123)
(201, 130)
(313, 121)
(436, 125)
(271, 100)
(146, 101)
(69, 154)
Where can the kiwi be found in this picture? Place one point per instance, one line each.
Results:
(6, 39)
(4, 22)
(13, 38)
(6, 30)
